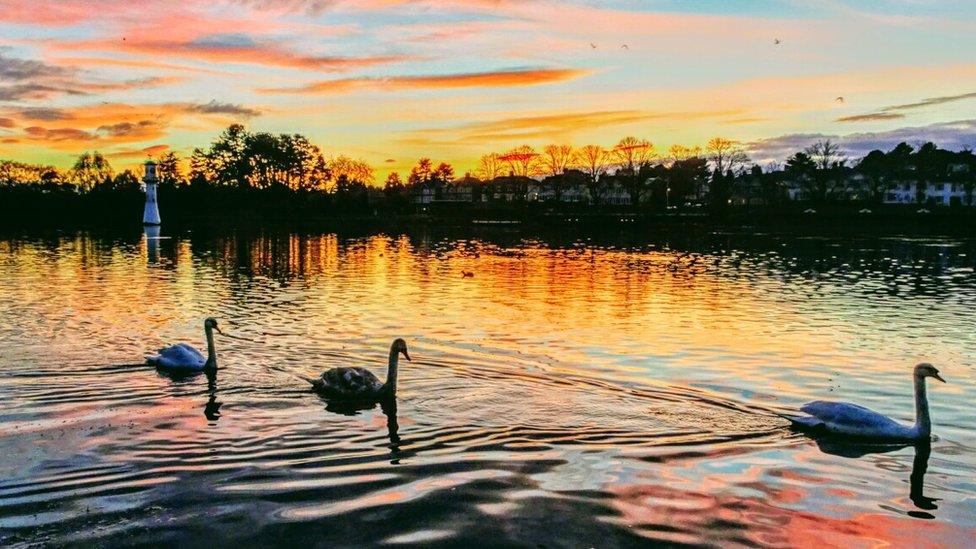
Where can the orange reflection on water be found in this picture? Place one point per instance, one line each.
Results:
(557, 370)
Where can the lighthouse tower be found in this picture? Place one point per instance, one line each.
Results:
(150, 216)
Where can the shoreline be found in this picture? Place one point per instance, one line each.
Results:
(832, 220)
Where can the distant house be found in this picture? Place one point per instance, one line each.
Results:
(457, 192)
(547, 193)
(798, 189)
(902, 192)
(466, 189)
(576, 194)
(615, 194)
(511, 188)
(945, 194)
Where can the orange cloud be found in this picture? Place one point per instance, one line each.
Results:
(57, 134)
(86, 62)
(234, 48)
(116, 123)
(493, 79)
(152, 150)
(549, 126)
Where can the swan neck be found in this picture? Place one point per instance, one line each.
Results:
(923, 425)
(391, 373)
(211, 350)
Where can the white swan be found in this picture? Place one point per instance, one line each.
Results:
(851, 420)
(184, 358)
(360, 383)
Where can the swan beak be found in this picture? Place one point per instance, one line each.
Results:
(218, 330)
(406, 355)
(937, 376)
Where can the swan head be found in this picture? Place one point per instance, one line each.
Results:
(211, 324)
(925, 369)
(400, 346)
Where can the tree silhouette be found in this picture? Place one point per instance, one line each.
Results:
(593, 160)
(828, 161)
(89, 170)
(226, 161)
(168, 170)
(677, 153)
(522, 161)
(874, 166)
(556, 158)
(350, 171)
(633, 159)
(490, 166)
(422, 173)
(725, 154)
(444, 173)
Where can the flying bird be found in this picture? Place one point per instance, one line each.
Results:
(592, 45)
(625, 46)
(777, 41)
(839, 99)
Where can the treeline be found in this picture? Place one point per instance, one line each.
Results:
(240, 173)
(262, 174)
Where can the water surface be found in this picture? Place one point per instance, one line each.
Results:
(575, 391)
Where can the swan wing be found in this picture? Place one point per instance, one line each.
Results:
(849, 419)
(180, 356)
(348, 383)
(190, 350)
(182, 351)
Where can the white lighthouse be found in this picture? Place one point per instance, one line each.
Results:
(150, 216)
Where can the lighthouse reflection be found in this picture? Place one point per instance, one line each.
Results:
(151, 233)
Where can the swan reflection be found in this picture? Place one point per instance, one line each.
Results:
(212, 409)
(920, 465)
(389, 408)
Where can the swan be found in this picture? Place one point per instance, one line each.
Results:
(851, 420)
(184, 358)
(360, 383)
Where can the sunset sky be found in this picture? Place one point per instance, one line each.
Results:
(392, 80)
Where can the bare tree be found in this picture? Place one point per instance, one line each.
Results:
(556, 158)
(593, 160)
(522, 161)
(490, 166)
(826, 154)
(681, 152)
(725, 154)
(633, 157)
(828, 161)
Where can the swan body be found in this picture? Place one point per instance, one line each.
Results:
(183, 358)
(360, 383)
(851, 420)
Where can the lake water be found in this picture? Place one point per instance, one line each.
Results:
(574, 392)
